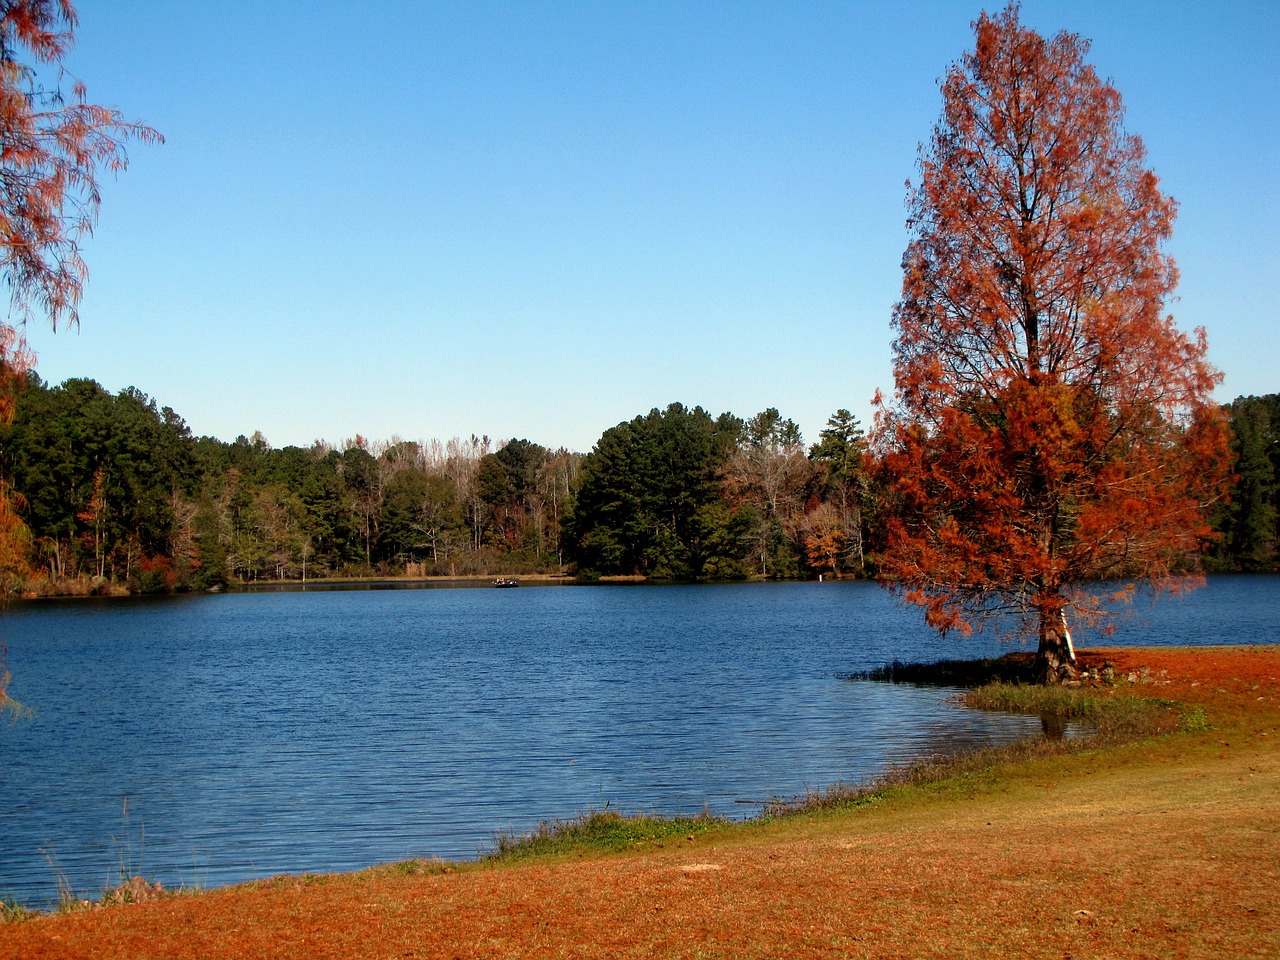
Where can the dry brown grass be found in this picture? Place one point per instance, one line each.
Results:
(1164, 848)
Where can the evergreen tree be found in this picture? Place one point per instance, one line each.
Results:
(647, 495)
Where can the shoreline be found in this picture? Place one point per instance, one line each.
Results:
(1139, 811)
(114, 590)
(463, 581)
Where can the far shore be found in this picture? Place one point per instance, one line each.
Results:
(115, 590)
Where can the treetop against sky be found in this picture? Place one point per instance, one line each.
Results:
(538, 219)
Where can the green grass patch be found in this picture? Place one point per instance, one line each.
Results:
(1193, 718)
(605, 831)
(1112, 716)
(11, 912)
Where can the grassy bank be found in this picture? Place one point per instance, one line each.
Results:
(1155, 842)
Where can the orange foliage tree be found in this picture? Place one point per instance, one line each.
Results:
(1051, 428)
(51, 150)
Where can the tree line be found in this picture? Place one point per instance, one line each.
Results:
(112, 492)
(115, 492)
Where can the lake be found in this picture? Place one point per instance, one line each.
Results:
(212, 739)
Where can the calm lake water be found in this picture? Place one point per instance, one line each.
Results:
(208, 740)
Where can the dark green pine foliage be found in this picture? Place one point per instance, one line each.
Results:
(840, 450)
(840, 446)
(649, 499)
(99, 473)
(507, 486)
(1248, 523)
(421, 517)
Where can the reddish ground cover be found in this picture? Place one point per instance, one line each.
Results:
(1169, 848)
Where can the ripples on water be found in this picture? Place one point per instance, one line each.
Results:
(207, 740)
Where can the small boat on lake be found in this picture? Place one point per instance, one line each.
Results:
(504, 582)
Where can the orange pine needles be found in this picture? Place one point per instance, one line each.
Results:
(51, 152)
(1052, 426)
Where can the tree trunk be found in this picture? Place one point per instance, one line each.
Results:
(1056, 658)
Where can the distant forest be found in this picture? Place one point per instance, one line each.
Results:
(114, 494)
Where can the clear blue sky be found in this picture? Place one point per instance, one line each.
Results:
(540, 219)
